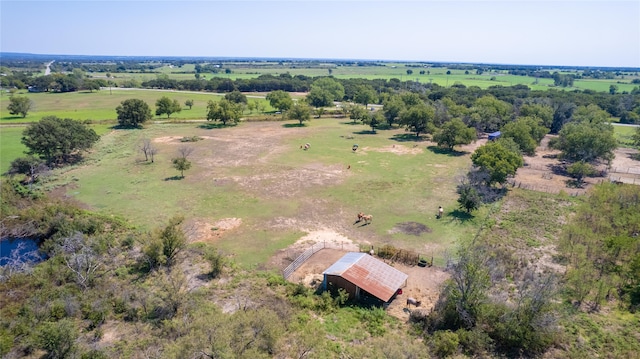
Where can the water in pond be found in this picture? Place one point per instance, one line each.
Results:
(21, 249)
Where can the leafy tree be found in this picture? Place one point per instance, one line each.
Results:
(299, 112)
(173, 239)
(280, 100)
(319, 97)
(357, 113)
(469, 199)
(133, 113)
(181, 164)
(526, 132)
(224, 111)
(541, 111)
(330, 85)
(19, 105)
(365, 95)
(585, 141)
(55, 139)
(418, 119)
(90, 85)
(498, 161)
(453, 133)
(489, 113)
(579, 170)
(165, 105)
(375, 120)
(460, 303)
(236, 97)
(189, 103)
(392, 108)
(562, 112)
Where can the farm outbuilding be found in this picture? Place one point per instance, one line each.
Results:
(364, 277)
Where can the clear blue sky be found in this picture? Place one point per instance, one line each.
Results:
(560, 32)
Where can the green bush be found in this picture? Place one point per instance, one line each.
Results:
(444, 343)
(57, 338)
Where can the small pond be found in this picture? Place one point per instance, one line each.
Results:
(22, 249)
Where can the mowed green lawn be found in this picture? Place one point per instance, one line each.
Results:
(394, 187)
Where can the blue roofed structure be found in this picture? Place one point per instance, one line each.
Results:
(494, 136)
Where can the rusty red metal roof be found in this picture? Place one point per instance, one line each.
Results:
(372, 275)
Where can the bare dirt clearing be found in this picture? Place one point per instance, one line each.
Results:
(542, 172)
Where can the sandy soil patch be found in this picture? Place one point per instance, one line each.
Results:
(208, 230)
(396, 149)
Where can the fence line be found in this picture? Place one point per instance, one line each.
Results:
(547, 189)
(287, 272)
(627, 170)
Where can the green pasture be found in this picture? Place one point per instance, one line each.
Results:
(624, 135)
(11, 147)
(437, 75)
(101, 105)
(395, 188)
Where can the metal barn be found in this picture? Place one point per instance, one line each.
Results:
(364, 276)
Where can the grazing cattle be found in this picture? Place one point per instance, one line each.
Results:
(359, 219)
(307, 146)
(413, 301)
(367, 218)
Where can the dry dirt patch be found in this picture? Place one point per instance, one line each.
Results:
(207, 230)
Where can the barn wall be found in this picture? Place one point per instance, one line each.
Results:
(333, 281)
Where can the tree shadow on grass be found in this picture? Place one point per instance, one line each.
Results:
(458, 215)
(407, 137)
(445, 151)
(213, 125)
(8, 118)
(174, 178)
(364, 132)
(351, 123)
(293, 125)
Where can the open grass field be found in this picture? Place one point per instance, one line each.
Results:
(624, 135)
(437, 75)
(101, 105)
(275, 192)
(11, 147)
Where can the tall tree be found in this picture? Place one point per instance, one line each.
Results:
(498, 161)
(280, 100)
(365, 95)
(236, 96)
(19, 105)
(392, 108)
(489, 113)
(330, 85)
(55, 139)
(165, 105)
(586, 141)
(299, 112)
(526, 132)
(133, 113)
(418, 119)
(453, 133)
(224, 111)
